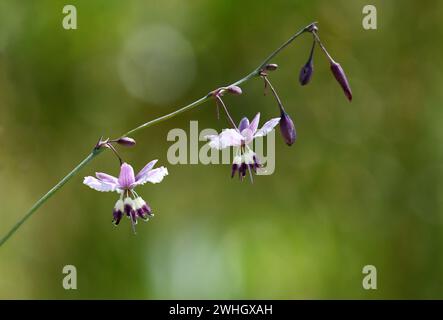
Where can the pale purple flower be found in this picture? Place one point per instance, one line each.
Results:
(241, 137)
(130, 203)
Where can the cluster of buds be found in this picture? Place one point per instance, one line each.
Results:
(338, 72)
(243, 134)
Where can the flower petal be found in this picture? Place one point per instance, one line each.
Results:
(244, 123)
(267, 127)
(126, 178)
(145, 169)
(99, 185)
(228, 138)
(248, 135)
(154, 176)
(106, 177)
(254, 123)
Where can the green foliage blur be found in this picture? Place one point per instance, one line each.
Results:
(362, 185)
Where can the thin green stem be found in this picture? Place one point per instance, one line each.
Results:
(226, 111)
(256, 72)
(54, 189)
(317, 38)
(274, 92)
(284, 45)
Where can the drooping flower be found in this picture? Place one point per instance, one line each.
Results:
(130, 203)
(240, 137)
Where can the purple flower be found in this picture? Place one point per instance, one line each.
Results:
(340, 76)
(241, 137)
(130, 203)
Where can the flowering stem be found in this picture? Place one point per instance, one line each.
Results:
(256, 72)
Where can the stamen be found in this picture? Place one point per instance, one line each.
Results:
(133, 227)
(250, 174)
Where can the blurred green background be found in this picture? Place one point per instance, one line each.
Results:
(361, 185)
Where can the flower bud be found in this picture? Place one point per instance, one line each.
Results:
(271, 67)
(308, 68)
(287, 128)
(306, 73)
(234, 90)
(340, 76)
(126, 141)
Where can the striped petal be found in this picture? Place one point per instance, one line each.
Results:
(145, 169)
(152, 176)
(267, 127)
(100, 185)
(228, 138)
(126, 178)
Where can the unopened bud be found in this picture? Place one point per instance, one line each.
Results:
(306, 73)
(271, 67)
(307, 70)
(126, 141)
(234, 90)
(340, 76)
(287, 128)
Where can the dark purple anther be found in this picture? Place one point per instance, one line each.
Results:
(234, 170)
(117, 214)
(340, 76)
(242, 170)
(128, 206)
(287, 128)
